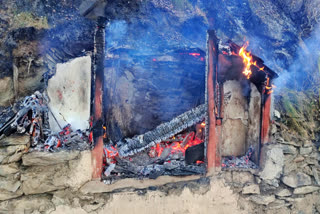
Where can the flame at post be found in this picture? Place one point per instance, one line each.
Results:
(248, 62)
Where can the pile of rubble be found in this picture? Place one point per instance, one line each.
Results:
(31, 117)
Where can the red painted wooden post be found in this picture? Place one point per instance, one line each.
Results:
(265, 123)
(98, 66)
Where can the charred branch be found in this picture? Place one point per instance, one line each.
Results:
(131, 146)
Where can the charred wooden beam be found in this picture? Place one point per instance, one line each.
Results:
(131, 146)
(98, 76)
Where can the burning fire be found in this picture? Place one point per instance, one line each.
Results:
(248, 62)
(104, 132)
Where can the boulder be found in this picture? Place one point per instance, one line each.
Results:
(9, 169)
(15, 139)
(36, 158)
(305, 190)
(262, 199)
(296, 179)
(272, 161)
(251, 189)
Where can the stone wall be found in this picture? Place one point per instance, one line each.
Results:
(60, 182)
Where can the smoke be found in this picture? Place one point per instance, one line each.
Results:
(303, 73)
(115, 33)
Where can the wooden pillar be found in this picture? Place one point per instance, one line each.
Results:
(265, 122)
(213, 155)
(98, 75)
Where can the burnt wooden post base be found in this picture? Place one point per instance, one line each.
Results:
(98, 76)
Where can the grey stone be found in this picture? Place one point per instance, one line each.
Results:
(15, 139)
(305, 150)
(73, 174)
(277, 114)
(5, 195)
(12, 153)
(277, 204)
(299, 159)
(305, 190)
(41, 179)
(272, 161)
(316, 175)
(288, 149)
(296, 179)
(36, 158)
(28, 204)
(307, 143)
(262, 199)
(9, 184)
(283, 193)
(272, 182)
(242, 178)
(251, 189)
(9, 169)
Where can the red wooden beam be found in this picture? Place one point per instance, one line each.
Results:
(265, 123)
(98, 72)
(213, 158)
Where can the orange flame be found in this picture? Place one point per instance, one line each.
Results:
(104, 132)
(203, 124)
(247, 60)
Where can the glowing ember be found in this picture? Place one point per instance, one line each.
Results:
(203, 124)
(177, 144)
(104, 132)
(110, 153)
(194, 54)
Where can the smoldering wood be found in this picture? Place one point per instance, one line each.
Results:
(131, 146)
(194, 153)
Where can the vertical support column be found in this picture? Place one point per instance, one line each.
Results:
(98, 75)
(265, 122)
(213, 157)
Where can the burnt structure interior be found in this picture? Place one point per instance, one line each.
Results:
(146, 87)
(155, 108)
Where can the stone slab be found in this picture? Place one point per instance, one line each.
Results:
(305, 190)
(15, 139)
(296, 179)
(36, 158)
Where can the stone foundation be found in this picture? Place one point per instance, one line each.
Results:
(60, 182)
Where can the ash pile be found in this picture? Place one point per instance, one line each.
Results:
(243, 162)
(174, 148)
(31, 116)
